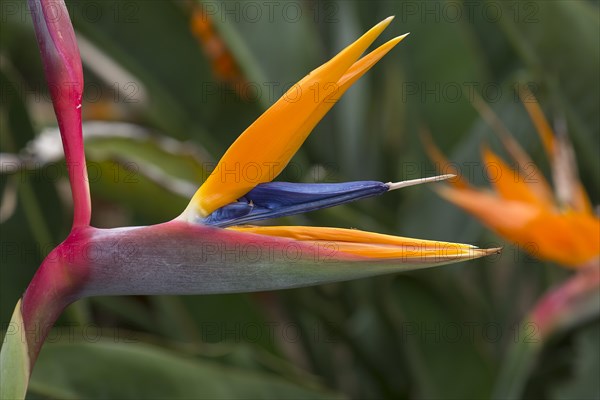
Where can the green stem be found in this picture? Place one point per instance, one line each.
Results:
(517, 365)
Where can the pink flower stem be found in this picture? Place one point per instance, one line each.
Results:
(56, 284)
(59, 278)
(64, 74)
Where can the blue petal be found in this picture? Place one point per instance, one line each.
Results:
(280, 199)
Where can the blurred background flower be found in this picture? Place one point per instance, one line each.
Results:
(557, 225)
(170, 84)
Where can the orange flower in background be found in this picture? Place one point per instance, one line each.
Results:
(223, 63)
(521, 206)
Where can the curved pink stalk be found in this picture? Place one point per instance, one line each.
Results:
(54, 286)
(55, 283)
(62, 66)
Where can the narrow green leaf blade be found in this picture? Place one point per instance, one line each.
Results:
(14, 360)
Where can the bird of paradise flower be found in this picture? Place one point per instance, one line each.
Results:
(559, 227)
(522, 208)
(208, 248)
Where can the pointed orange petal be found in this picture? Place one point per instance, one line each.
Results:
(262, 151)
(506, 217)
(357, 70)
(374, 245)
(365, 63)
(534, 177)
(539, 120)
(509, 183)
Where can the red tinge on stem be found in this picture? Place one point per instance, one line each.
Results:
(62, 66)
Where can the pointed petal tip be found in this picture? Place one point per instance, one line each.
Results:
(387, 20)
(475, 252)
(380, 27)
(412, 182)
(490, 251)
(397, 39)
(446, 176)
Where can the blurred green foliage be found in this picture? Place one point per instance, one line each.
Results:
(438, 333)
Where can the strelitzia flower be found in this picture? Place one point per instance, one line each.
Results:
(207, 249)
(559, 227)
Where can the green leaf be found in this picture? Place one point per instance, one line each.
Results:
(117, 28)
(173, 85)
(128, 164)
(14, 360)
(264, 57)
(14, 112)
(142, 371)
(434, 338)
(32, 227)
(584, 383)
